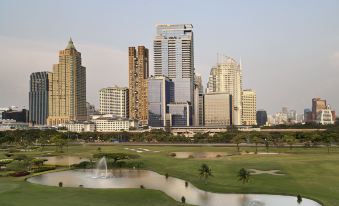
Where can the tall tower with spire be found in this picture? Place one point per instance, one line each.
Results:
(67, 89)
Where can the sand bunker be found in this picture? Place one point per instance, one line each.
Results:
(269, 172)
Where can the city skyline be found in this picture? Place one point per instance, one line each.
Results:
(295, 74)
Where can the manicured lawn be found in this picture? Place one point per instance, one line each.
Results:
(310, 172)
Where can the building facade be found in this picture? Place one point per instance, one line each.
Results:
(38, 98)
(324, 116)
(318, 104)
(174, 58)
(261, 118)
(218, 109)
(18, 116)
(113, 124)
(114, 100)
(160, 95)
(226, 77)
(80, 126)
(249, 107)
(138, 75)
(67, 88)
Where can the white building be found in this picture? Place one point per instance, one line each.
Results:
(249, 107)
(226, 77)
(110, 124)
(80, 126)
(325, 116)
(114, 100)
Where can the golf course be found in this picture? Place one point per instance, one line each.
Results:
(310, 172)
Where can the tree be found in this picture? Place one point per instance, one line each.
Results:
(256, 140)
(116, 156)
(328, 139)
(59, 142)
(244, 175)
(205, 172)
(290, 140)
(238, 139)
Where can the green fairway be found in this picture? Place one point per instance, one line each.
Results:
(310, 172)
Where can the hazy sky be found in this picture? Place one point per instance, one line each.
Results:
(289, 49)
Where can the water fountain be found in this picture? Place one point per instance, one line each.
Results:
(101, 169)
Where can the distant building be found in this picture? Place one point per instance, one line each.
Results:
(2, 110)
(308, 115)
(226, 77)
(84, 126)
(201, 109)
(160, 95)
(180, 114)
(138, 75)
(261, 117)
(91, 109)
(18, 116)
(318, 104)
(249, 107)
(324, 116)
(111, 124)
(114, 100)
(198, 93)
(67, 88)
(38, 98)
(218, 109)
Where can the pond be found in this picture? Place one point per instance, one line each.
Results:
(173, 187)
(63, 160)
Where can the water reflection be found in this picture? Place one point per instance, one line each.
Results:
(173, 187)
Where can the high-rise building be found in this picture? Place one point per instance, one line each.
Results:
(308, 115)
(249, 107)
(198, 106)
(261, 117)
(138, 75)
(67, 88)
(38, 98)
(218, 109)
(173, 58)
(114, 100)
(226, 77)
(160, 95)
(318, 104)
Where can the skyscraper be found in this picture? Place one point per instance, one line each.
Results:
(318, 104)
(160, 95)
(138, 74)
(114, 100)
(173, 58)
(38, 98)
(249, 107)
(226, 77)
(67, 88)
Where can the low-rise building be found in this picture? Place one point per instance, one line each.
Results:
(114, 124)
(80, 126)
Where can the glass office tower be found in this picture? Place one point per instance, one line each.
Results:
(160, 94)
(38, 98)
(173, 58)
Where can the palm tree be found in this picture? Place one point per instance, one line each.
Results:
(237, 139)
(205, 172)
(256, 140)
(244, 175)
